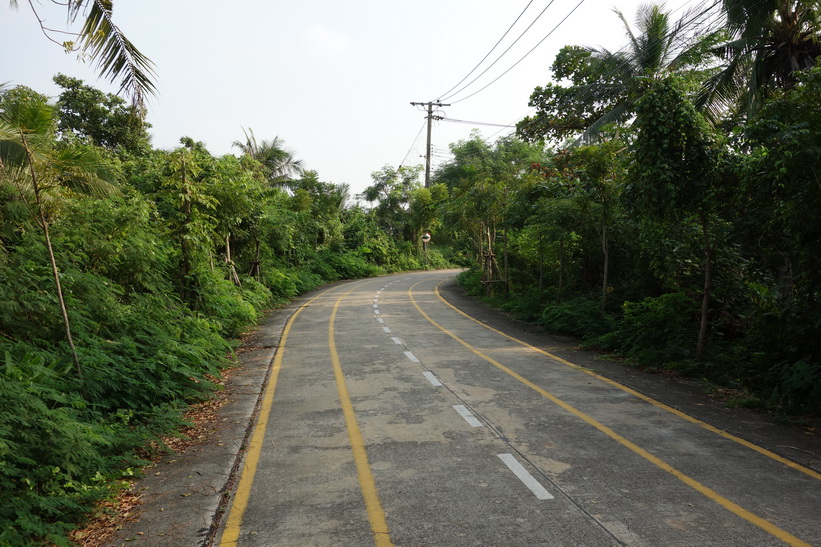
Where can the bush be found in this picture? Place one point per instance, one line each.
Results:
(656, 331)
(578, 317)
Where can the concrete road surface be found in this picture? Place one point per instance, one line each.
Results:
(393, 418)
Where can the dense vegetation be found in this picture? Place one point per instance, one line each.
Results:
(666, 206)
(125, 272)
(662, 204)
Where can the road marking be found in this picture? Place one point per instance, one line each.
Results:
(527, 479)
(467, 415)
(432, 378)
(396, 340)
(643, 397)
(411, 356)
(750, 517)
(386, 329)
(233, 523)
(380, 320)
(375, 306)
(376, 515)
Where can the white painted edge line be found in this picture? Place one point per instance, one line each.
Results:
(380, 319)
(412, 357)
(386, 329)
(527, 479)
(467, 415)
(376, 305)
(431, 378)
(396, 340)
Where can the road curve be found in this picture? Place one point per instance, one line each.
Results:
(393, 418)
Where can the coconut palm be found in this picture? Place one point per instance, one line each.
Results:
(38, 170)
(279, 165)
(770, 40)
(658, 48)
(102, 41)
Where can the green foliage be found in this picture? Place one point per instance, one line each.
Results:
(656, 331)
(577, 317)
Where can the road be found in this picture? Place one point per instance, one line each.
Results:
(393, 418)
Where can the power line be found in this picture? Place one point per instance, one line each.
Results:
(412, 144)
(491, 49)
(475, 123)
(524, 56)
(503, 53)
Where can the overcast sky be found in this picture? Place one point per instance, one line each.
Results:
(333, 79)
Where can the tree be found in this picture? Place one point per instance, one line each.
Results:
(605, 85)
(771, 41)
(676, 171)
(101, 40)
(279, 165)
(39, 170)
(101, 118)
(593, 172)
(391, 191)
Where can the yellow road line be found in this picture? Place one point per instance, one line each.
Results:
(765, 525)
(234, 521)
(659, 404)
(376, 516)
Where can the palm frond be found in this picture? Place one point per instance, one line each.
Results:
(116, 56)
(614, 115)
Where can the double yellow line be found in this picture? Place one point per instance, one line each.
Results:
(765, 525)
(376, 516)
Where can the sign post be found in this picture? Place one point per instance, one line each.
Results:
(425, 240)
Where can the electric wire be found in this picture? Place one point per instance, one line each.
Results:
(697, 18)
(499, 58)
(474, 123)
(413, 144)
(522, 58)
(491, 50)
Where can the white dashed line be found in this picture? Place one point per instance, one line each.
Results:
(376, 305)
(380, 320)
(411, 356)
(386, 329)
(431, 378)
(526, 478)
(467, 415)
(396, 340)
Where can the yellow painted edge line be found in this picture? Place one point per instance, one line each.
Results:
(646, 398)
(752, 518)
(376, 516)
(233, 523)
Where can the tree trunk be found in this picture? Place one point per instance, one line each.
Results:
(63, 309)
(606, 268)
(507, 276)
(230, 262)
(561, 270)
(43, 222)
(708, 280)
(541, 268)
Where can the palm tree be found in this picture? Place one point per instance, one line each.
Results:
(770, 40)
(279, 165)
(656, 50)
(32, 163)
(102, 41)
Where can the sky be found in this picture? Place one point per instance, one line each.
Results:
(333, 79)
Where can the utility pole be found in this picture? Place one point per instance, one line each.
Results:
(430, 106)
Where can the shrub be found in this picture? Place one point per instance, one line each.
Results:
(656, 331)
(578, 317)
